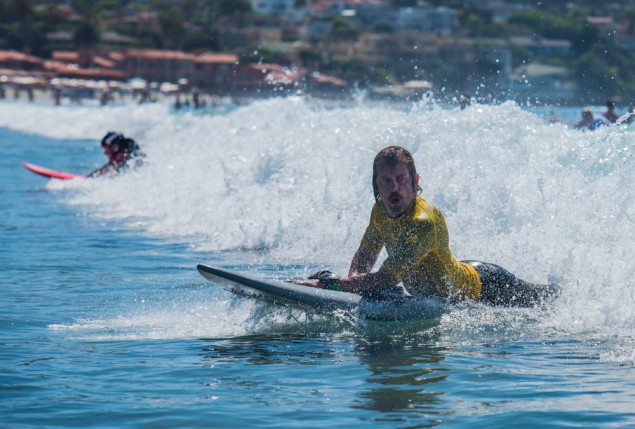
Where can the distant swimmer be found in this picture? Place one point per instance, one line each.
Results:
(465, 100)
(415, 236)
(590, 121)
(610, 114)
(121, 152)
(556, 119)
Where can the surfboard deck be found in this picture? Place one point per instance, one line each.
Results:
(51, 174)
(397, 305)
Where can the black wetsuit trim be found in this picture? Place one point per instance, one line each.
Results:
(502, 288)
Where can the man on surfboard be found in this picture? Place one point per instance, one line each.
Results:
(119, 150)
(415, 236)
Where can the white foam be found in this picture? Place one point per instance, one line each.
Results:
(283, 176)
(203, 318)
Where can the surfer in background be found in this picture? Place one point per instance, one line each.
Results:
(610, 114)
(415, 236)
(590, 121)
(120, 151)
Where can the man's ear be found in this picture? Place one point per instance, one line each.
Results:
(416, 182)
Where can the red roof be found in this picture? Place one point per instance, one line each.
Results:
(66, 56)
(600, 20)
(19, 56)
(54, 65)
(157, 54)
(103, 62)
(27, 73)
(322, 78)
(275, 74)
(210, 58)
(116, 56)
(68, 70)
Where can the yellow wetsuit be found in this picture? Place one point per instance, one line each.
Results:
(419, 254)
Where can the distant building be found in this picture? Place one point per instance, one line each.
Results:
(158, 65)
(295, 9)
(82, 65)
(442, 21)
(266, 79)
(273, 7)
(241, 32)
(501, 10)
(63, 40)
(378, 17)
(540, 46)
(543, 82)
(214, 72)
(20, 61)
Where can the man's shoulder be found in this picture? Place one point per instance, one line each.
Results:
(422, 206)
(426, 211)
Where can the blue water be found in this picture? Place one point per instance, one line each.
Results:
(106, 323)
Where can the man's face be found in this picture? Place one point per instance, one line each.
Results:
(395, 188)
(107, 152)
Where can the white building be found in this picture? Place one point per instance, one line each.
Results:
(441, 20)
(273, 7)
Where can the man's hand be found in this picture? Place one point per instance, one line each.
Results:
(323, 279)
(327, 279)
(363, 283)
(312, 283)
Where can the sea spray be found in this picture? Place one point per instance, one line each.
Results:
(293, 182)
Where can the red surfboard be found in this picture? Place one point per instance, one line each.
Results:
(51, 174)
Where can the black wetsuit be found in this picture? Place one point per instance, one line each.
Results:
(502, 288)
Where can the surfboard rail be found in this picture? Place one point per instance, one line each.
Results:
(393, 307)
(51, 174)
(278, 290)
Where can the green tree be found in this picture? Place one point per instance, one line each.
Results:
(23, 9)
(479, 23)
(197, 40)
(6, 11)
(572, 26)
(343, 29)
(51, 17)
(21, 31)
(232, 7)
(172, 28)
(404, 3)
(594, 77)
(265, 55)
(86, 35)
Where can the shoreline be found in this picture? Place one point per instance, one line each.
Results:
(566, 114)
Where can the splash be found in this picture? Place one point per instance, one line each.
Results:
(293, 181)
(207, 319)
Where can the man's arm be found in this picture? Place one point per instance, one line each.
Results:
(105, 169)
(359, 278)
(367, 281)
(363, 260)
(356, 283)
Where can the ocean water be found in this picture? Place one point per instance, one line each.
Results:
(106, 323)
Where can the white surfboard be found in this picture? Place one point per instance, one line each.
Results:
(397, 305)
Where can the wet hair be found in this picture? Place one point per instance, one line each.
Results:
(609, 103)
(118, 143)
(111, 137)
(390, 157)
